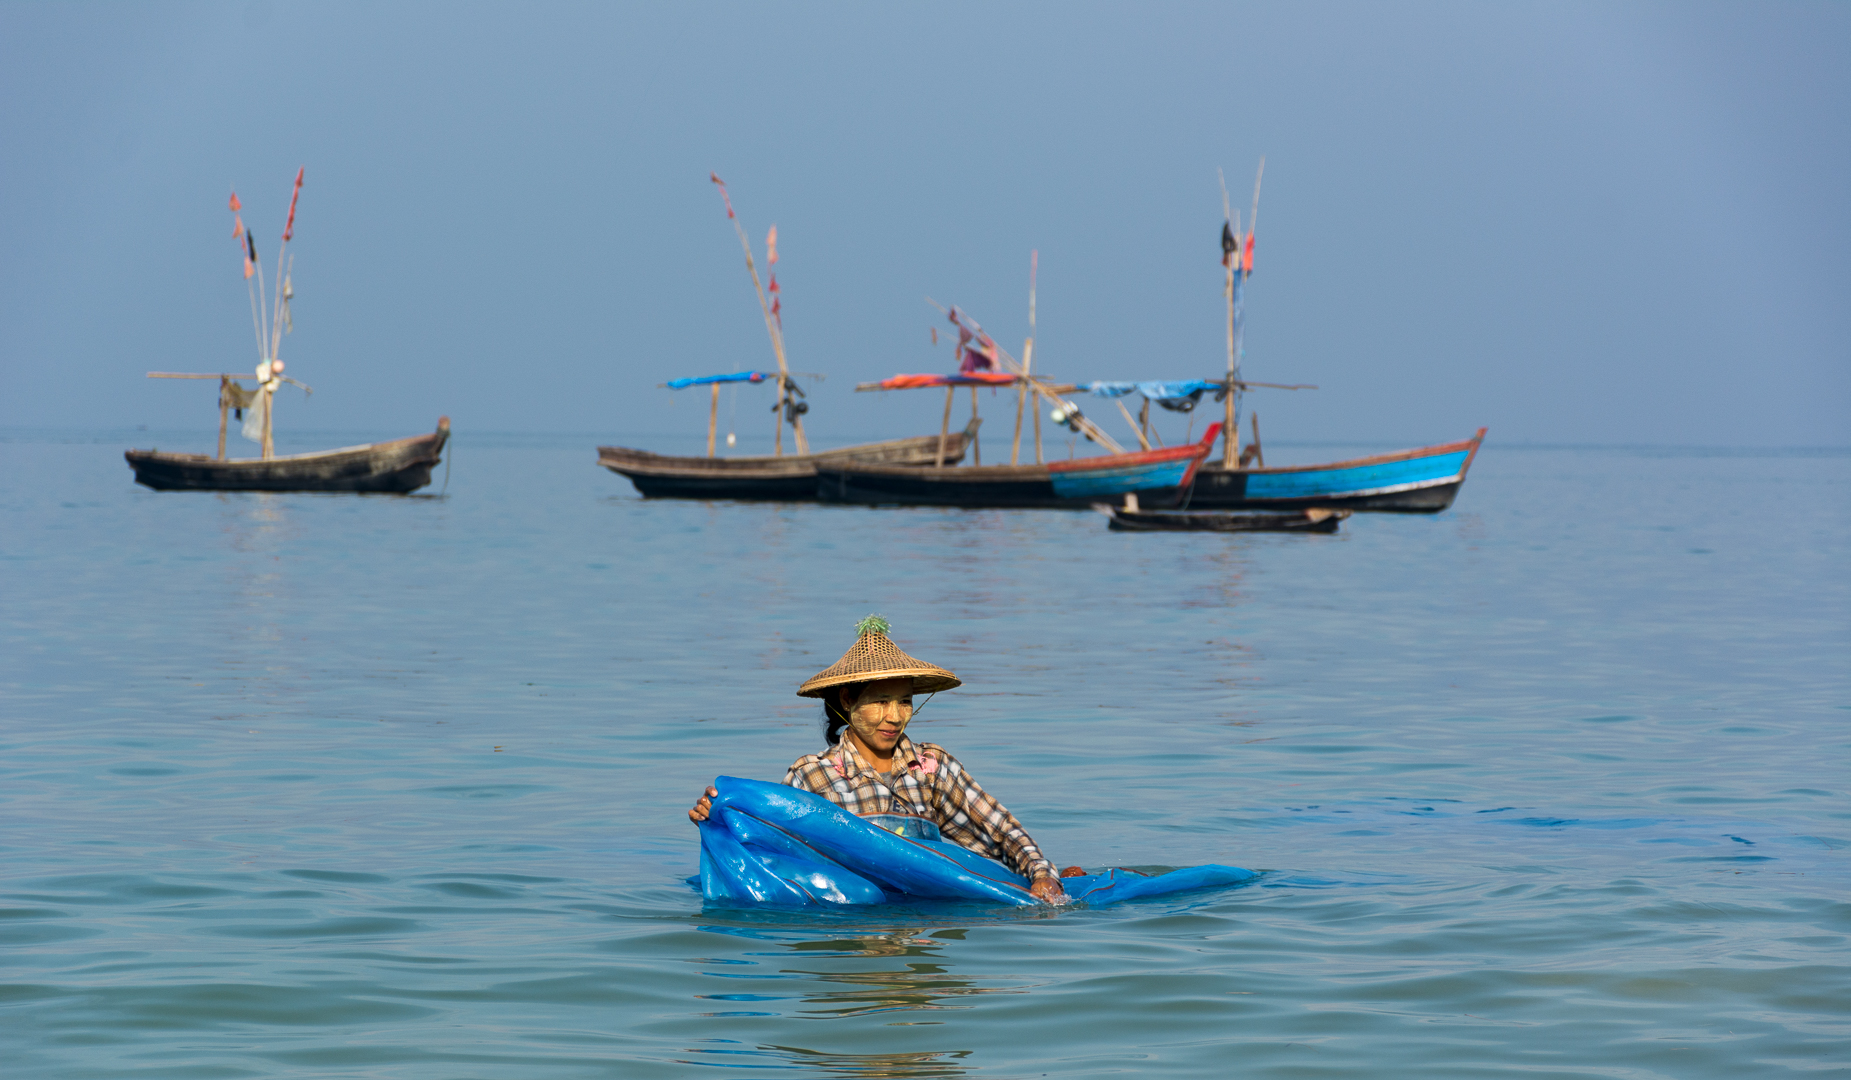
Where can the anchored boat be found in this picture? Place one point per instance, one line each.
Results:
(398, 466)
(1424, 480)
(777, 476)
(790, 478)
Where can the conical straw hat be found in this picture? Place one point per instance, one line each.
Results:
(873, 658)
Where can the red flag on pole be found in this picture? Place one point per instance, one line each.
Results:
(1246, 261)
(235, 204)
(715, 177)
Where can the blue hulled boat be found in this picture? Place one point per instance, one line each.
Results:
(1424, 480)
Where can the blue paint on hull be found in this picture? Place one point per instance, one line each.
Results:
(1099, 483)
(1380, 478)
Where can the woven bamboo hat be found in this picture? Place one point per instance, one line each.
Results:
(873, 658)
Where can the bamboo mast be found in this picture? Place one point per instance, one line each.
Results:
(224, 408)
(713, 417)
(1230, 436)
(771, 327)
(975, 445)
(1243, 272)
(1028, 356)
(944, 428)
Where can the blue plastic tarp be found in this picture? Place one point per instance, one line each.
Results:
(737, 376)
(767, 843)
(1173, 390)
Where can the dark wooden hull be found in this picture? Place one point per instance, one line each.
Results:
(791, 478)
(1424, 480)
(396, 467)
(986, 486)
(1304, 521)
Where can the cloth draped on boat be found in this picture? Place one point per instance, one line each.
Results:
(766, 843)
(975, 378)
(1178, 395)
(737, 376)
(234, 396)
(245, 401)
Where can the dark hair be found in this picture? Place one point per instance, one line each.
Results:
(835, 718)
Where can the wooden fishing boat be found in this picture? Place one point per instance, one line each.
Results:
(1143, 470)
(1158, 476)
(1132, 519)
(1424, 480)
(399, 466)
(790, 478)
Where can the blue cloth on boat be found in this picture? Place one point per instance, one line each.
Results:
(737, 376)
(766, 843)
(1178, 394)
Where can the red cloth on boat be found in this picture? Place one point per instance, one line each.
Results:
(975, 378)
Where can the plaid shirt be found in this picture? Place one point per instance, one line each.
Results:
(930, 784)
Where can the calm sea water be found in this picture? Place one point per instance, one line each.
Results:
(1551, 785)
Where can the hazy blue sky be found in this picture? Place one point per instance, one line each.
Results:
(1602, 223)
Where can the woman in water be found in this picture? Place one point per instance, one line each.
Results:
(872, 769)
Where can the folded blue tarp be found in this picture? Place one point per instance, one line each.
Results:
(737, 376)
(771, 844)
(1177, 390)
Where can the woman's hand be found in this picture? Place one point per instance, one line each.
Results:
(702, 808)
(1046, 889)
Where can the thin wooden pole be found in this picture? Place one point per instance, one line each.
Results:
(1037, 408)
(713, 417)
(1259, 456)
(975, 445)
(1015, 447)
(944, 428)
(269, 444)
(771, 325)
(1231, 437)
(224, 408)
(1135, 430)
(1144, 421)
(1028, 357)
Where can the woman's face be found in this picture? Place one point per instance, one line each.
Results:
(878, 717)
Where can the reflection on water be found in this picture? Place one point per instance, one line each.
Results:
(922, 983)
(819, 1063)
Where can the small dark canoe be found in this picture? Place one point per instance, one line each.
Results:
(399, 466)
(1420, 481)
(791, 478)
(1315, 520)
